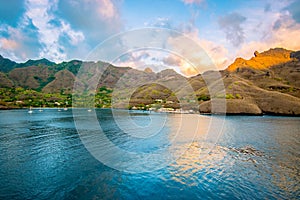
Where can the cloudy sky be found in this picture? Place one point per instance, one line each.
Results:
(62, 30)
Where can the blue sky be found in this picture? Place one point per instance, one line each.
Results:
(70, 29)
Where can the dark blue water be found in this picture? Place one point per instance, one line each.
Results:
(43, 157)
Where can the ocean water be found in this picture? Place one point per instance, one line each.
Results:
(43, 155)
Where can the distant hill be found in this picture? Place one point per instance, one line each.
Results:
(269, 83)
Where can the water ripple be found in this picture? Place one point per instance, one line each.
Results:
(42, 157)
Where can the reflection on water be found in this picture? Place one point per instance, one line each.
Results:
(42, 157)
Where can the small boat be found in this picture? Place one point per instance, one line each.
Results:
(65, 108)
(30, 110)
(89, 110)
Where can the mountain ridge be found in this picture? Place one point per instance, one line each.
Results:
(267, 83)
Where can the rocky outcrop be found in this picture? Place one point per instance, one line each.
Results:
(148, 70)
(262, 60)
(296, 55)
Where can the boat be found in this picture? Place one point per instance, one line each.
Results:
(30, 110)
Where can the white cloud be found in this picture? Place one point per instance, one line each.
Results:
(75, 36)
(19, 43)
(41, 15)
(97, 19)
(162, 22)
(142, 58)
(193, 1)
(278, 29)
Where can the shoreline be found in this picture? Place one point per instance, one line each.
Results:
(198, 113)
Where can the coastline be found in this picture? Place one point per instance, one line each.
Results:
(198, 113)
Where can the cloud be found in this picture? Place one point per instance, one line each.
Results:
(19, 43)
(50, 29)
(140, 59)
(157, 60)
(267, 7)
(75, 37)
(61, 30)
(56, 30)
(197, 2)
(48, 34)
(218, 53)
(172, 60)
(190, 58)
(107, 9)
(184, 67)
(162, 22)
(231, 25)
(212, 52)
(8, 44)
(97, 19)
(294, 10)
(283, 32)
(136, 56)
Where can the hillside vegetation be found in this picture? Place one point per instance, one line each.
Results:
(268, 83)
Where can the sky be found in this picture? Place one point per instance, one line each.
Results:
(62, 30)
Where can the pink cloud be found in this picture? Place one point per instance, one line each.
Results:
(218, 53)
(213, 55)
(184, 67)
(8, 44)
(107, 9)
(285, 35)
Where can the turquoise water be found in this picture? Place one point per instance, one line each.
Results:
(43, 157)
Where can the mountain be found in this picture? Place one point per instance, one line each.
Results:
(40, 62)
(63, 82)
(268, 83)
(263, 60)
(6, 64)
(33, 77)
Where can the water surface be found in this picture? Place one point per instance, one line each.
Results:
(43, 157)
